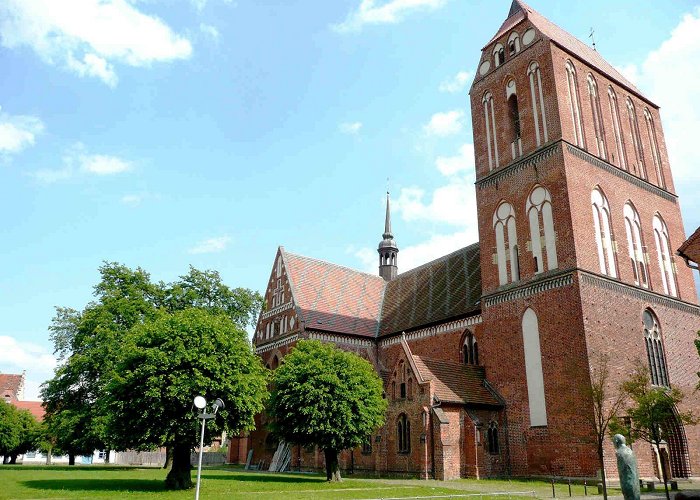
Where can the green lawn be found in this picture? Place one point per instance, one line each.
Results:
(98, 482)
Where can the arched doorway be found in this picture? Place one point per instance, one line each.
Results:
(677, 448)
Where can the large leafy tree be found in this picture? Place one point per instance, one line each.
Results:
(9, 430)
(652, 410)
(29, 432)
(326, 397)
(168, 361)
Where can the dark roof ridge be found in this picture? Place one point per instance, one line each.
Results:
(441, 258)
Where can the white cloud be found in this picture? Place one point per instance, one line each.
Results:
(391, 12)
(464, 161)
(78, 160)
(89, 37)
(667, 77)
(456, 83)
(211, 245)
(444, 124)
(18, 132)
(350, 128)
(199, 4)
(16, 356)
(134, 199)
(209, 30)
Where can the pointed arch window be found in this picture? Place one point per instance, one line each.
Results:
(516, 145)
(655, 349)
(536, 97)
(506, 243)
(603, 233)
(539, 212)
(492, 438)
(403, 434)
(663, 247)
(635, 246)
(636, 139)
(513, 43)
(597, 117)
(617, 128)
(499, 55)
(491, 137)
(656, 156)
(470, 349)
(575, 104)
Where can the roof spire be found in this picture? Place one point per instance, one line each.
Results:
(388, 249)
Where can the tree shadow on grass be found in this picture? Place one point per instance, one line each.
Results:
(81, 468)
(262, 478)
(115, 485)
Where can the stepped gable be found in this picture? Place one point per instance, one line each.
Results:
(333, 298)
(457, 383)
(446, 288)
(520, 10)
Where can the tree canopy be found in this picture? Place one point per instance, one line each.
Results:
(326, 397)
(95, 344)
(19, 431)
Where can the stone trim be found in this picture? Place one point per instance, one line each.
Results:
(275, 344)
(531, 160)
(340, 339)
(432, 330)
(529, 290)
(639, 293)
(277, 310)
(623, 174)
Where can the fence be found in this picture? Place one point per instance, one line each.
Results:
(157, 458)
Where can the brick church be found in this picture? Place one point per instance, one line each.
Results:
(484, 351)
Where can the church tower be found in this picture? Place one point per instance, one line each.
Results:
(388, 250)
(578, 222)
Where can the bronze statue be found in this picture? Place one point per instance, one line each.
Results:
(626, 468)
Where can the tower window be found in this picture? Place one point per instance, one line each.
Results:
(575, 104)
(597, 117)
(651, 130)
(513, 44)
(636, 138)
(533, 369)
(470, 350)
(506, 243)
(663, 246)
(499, 55)
(539, 211)
(536, 95)
(619, 139)
(491, 136)
(635, 245)
(603, 233)
(655, 349)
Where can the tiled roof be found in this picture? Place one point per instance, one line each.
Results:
(34, 408)
(444, 288)
(10, 384)
(334, 298)
(691, 247)
(455, 382)
(520, 10)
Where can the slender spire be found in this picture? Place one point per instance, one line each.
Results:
(387, 222)
(388, 249)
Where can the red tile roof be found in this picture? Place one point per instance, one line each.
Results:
(690, 248)
(520, 10)
(445, 288)
(34, 407)
(333, 298)
(455, 382)
(11, 385)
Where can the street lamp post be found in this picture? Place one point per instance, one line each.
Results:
(201, 404)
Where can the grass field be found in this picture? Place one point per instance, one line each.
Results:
(99, 482)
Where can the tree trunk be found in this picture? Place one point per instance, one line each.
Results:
(168, 457)
(601, 459)
(71, 459)
(663, 470)
(179, 477)
(107, 451)
(5, 459)
(332, 466)
(48, 456)
(13, 459)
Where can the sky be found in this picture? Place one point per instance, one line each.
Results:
(164, 134)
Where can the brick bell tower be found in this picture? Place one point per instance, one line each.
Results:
(578, 219)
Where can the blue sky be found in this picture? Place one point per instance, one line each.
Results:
(208, 132)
